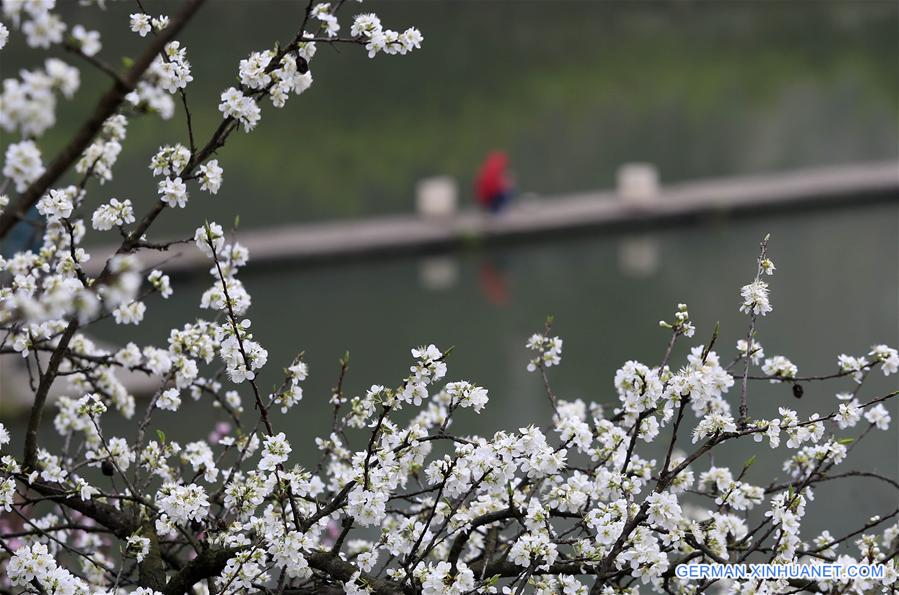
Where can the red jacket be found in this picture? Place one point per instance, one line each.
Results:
(491, 179)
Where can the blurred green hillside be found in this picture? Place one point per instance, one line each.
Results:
(570, 89)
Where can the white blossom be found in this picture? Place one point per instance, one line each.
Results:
(173, 192)
(888, 358)
(23, 164)
(113, 214)
(549, 348)
(755, 299)
(879, 416)
(138, 546)
(88, 41)
(211, 176)
(140, 23)
(161, 283)
(129, 313)
(779, 367)
(169, 400)
(275, 451)
(235, 104)
(43, 30)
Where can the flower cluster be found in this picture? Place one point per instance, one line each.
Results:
(59, 203)
(755, 299)
(101, 155)
(682, 324)
(368, 28)
(23, 163)
(779, 368)
(754, 351)
(142, 23)
(291, 393)
(234, 104)
(41, 27)
(549, 349)
(113, 214)
(28, 104)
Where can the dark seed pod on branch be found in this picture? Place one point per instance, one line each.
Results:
(798, 391)
(107, 468)
(302, 65)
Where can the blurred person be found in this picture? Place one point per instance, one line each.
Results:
(493, 185)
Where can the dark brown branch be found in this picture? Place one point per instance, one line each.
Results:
(96, 63)
(341, 570)
(207, 564)
(40, 396)
(112, 518)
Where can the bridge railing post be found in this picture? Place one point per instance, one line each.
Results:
(437, 197)
(638, 183)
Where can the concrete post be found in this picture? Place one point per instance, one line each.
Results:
(437, 197)
(638, 183)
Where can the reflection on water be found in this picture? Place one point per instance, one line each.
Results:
(836, 290)
(638, 256)
(438, 273)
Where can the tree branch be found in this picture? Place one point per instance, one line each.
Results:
(107, 106)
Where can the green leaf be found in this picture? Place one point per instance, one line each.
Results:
(161, 435)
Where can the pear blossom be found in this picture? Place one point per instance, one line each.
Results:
(879, 416)
(756, 352)
(169, 400)
(43, 30)
(140, 23)
(755, 299)
(211, 176)
(88, 41)
(550, 349)
(888, 358)
(161, 283)
(274, 451)
(58, 203)
(23, 163)
(138, 546)
(182, 503)
(113, 214)
(130, 313)
(235, 104)
(7, 494)
(779, 368)
(855, 366)
(173, 192)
